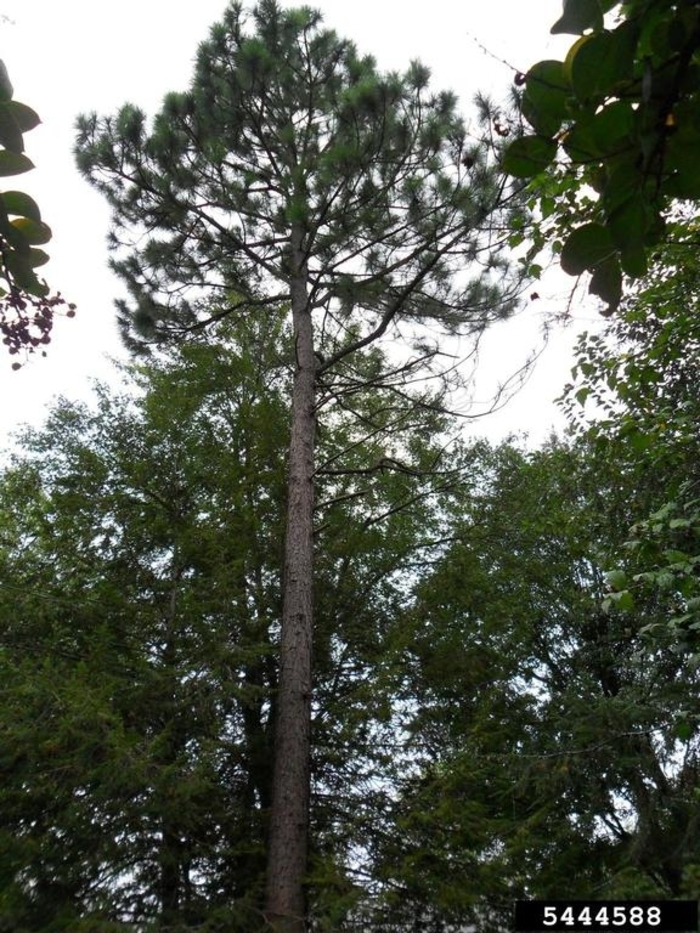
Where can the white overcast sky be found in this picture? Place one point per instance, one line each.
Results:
(75, 56)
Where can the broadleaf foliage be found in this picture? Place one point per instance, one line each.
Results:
(619, 115)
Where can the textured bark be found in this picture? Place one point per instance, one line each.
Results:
(172, 850)
(289, 818)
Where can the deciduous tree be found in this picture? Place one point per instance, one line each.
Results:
(26, 308)
(614, 133)
(637, 382)
(552, 746)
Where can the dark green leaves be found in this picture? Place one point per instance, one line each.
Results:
(26, 310)
(20, 204)
(606, 133)
(26, 230)
(15, 119)
(586, 248)
(581, 15)
(606, 283)
(6, 89)
(591, 248)
(373, 148)
(544, 103)
(602, 63)
(623, 109)
(14, 163)
(22, 229)
(529, 155)
(34, 233)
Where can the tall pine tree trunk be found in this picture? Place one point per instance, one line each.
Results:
(289, 818)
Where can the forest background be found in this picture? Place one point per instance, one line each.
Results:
(505, 641)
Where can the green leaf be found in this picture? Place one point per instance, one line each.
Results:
(6, 89)
(681, 162)
(606, 134)
(613, 128)
(27, 119)
(15, 238)
(629, 225)
(544, 103)
(585, 248)
(14, 163)
(601, 63)
(616, 579)
(529, 155)
(639, 441)
(10, 130)
(34, 233)
(580, 15)
(623, 601)
(633, 260)
(606, 283)
(20, 204)
(15, 119)
(22, 270)
(580, 142)
(38, 257)
(680, 523)
(683, 730)
(624, 182)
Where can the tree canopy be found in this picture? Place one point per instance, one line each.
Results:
(555, 743)
(639, 377)
(488, 723)
(287, 128)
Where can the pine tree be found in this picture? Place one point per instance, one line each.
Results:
(294, 174)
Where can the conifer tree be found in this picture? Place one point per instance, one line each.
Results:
(294, 174)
